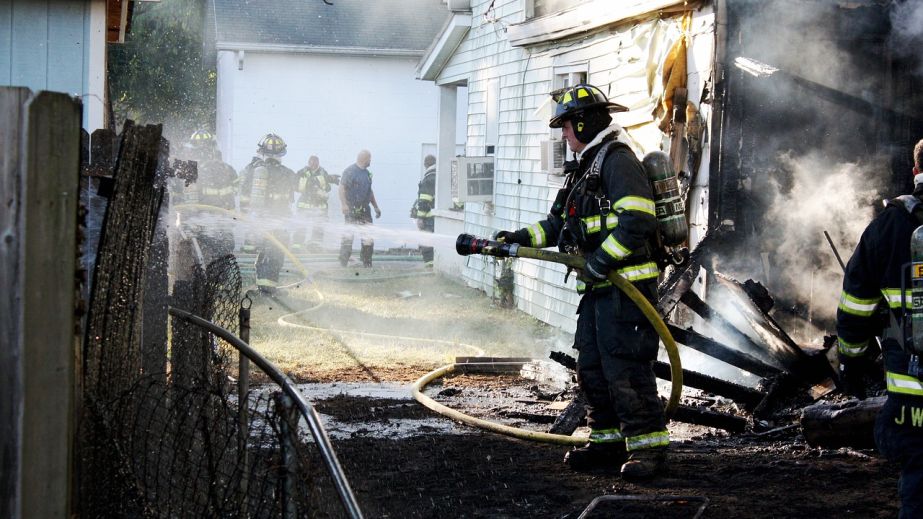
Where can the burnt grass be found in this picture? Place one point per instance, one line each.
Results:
(484, 474)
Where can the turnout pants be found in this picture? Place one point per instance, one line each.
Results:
(427, 225)
(269, 260)
(616, 347)
(899, 436)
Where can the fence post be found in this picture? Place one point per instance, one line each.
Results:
(288, 438)
(11, 230)
(51, 160)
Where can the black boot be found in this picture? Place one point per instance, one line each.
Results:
(645, 463)
(596, 456)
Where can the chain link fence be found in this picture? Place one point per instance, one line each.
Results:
(166, 429)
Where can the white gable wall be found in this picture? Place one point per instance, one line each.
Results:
(333, 106)
(618, 61)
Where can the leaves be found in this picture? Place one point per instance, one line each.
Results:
(159, 75)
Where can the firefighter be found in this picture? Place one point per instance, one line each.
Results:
(873, 281)
(216, 186)
(605, 211)
(313, 191)
(355, 196)
(422, 209)
(266, 192)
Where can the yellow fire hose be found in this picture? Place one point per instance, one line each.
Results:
(468, 244)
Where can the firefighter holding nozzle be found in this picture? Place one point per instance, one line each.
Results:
(605, 212)
(884, 278)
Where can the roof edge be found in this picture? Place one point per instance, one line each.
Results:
(443, 47)
(316, 49)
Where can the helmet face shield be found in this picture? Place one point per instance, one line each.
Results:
(576, 100)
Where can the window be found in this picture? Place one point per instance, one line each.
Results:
(475, 179)
(537, 8)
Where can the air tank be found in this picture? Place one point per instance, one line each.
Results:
(671, 214)
(916, 277)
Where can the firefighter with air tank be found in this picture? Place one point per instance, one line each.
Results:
(266, 192)
(216, 186)
(313, 192)
(606, 212)
(883, 293)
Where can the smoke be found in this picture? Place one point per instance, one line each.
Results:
(837, 198)
(907, 32)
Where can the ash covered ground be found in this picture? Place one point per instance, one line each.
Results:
(405, 461)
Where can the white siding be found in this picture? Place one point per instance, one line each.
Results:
(333, 106)
(625, 61)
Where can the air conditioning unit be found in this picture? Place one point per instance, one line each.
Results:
(553, 156)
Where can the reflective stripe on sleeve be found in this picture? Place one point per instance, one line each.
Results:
(537, 233)
(858, 306)
(614, 249)
(893, 297)
(904, 384)
(426, 198)
(634, 203)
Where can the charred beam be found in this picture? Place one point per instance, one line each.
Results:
(713, 348)
(709, 418)
(841, 425)
(743, 395)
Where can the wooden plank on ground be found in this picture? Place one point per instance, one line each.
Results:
(51, 156)
(12, 101)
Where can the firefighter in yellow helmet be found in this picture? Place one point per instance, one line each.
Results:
(423, 206)
(266, 192)
(605, 212)
(216, 186)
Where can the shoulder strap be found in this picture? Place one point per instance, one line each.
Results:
(910, 203)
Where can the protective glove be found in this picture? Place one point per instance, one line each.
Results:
(852, 376)
(520, 237)
(595, 270)
(377, 213)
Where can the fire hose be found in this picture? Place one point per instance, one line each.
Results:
(467, 244)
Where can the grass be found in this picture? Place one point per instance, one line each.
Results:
(396, 329)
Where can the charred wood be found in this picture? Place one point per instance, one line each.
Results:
(743, 395)
(850, 424)
(692, 339)
(709, 418)
(571, 417)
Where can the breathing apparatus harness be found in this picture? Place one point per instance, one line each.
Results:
(908, 328)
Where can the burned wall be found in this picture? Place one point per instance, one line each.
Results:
(818, 126)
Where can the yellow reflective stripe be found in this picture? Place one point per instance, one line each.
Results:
(426, 198)
(537, 233)
(647, 270)
(893, 297)
(582, 286)
(851, 349)
(606, 436)
(581, 93)
(213, 191)
(594, 223)
(634, 203)
(421, 214)
(858, 306)
(567, 98)
(905, 384)
(615, 249)
(263, 282)
(648, 441)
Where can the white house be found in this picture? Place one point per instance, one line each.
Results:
(60, 46)
(331, 80)
(785, 100)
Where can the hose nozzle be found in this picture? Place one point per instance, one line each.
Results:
(468, 244)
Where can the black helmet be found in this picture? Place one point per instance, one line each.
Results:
(271, 145)
(576, 100)
(202, 139)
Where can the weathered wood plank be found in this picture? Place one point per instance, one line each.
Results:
(11, 229)
(52, 168)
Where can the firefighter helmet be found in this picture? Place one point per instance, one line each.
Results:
(202, 139)
(579, 99)
(271, 145)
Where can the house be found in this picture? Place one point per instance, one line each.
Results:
(786, 102)
(331, 80)
(60, 46)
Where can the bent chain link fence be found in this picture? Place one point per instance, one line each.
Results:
(171, 442)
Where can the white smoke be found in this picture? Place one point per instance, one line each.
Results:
(907, 31)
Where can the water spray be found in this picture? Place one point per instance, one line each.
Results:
(467, 245)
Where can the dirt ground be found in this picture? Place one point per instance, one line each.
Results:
(437, 468)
